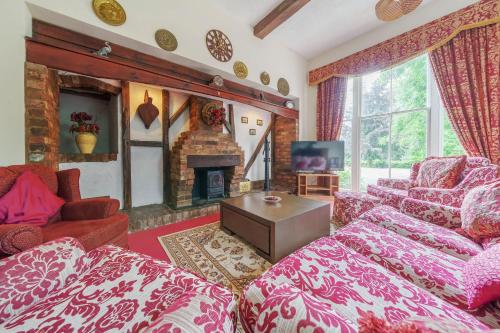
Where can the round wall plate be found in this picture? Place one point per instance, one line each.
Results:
(283, 87)
(219, 45)
(240, 69)
(109, 11)
(166, 40)
(264, 78)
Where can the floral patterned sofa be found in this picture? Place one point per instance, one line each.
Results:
(385, 262)
(392, 192)
(57, 287)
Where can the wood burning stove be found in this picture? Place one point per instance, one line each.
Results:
(208, 184)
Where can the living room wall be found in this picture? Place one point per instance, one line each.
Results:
(188, 19)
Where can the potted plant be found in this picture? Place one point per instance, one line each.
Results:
(86, 137)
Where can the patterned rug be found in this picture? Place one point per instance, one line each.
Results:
(215, 255)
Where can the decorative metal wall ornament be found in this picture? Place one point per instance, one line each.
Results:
(264, 78)
(219, 45)
(166, 40)
(283, 87)
(217, 81)
(240, 69)
(147, 111)
(109, 11)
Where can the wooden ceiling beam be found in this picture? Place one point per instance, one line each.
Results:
(277, 16)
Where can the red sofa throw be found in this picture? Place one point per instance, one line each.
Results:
(29, 201)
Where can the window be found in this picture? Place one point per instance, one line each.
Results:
(451, 145)
(346, 136)
(393, 121)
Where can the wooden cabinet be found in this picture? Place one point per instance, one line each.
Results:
(317, 184)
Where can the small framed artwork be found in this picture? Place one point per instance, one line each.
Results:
(244, 120)
(260, 122)
(252, 131)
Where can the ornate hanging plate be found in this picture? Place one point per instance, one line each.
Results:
(283, 87)
(109, 11)
(166, 40)
(219, 45)
(264, 78)
(240, 69)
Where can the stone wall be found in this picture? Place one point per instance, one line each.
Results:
(41, 115)
(285, 131)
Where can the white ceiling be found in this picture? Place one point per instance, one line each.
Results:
(319, 26)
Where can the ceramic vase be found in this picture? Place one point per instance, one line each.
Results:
(86, 142)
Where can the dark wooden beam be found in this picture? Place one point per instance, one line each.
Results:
(142, 143)
(258, 148)
(166, 145)
(212, 161)
(277, 16)
(231, 121)
(179, 111)
(127, 170)
(186, 78)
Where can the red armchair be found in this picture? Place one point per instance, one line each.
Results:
(94, 222)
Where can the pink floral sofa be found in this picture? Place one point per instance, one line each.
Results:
(57, 287)
(392, 192)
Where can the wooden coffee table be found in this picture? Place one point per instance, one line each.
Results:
(275, 229)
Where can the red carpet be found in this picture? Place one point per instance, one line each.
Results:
(146, 241)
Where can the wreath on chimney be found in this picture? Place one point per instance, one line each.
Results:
(213, 114)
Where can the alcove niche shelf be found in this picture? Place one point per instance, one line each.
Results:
(98, 98)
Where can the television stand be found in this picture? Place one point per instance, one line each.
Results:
(317, 184)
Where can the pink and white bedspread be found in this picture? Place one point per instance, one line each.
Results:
(56, 287)
(425, 267)
(429, 234)
(351, 284)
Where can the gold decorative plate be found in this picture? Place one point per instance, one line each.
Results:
(240, 69)
(109, 11)
(264, 78)
(166, 40)
(283, 87)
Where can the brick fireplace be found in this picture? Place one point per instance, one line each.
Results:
(201, 158)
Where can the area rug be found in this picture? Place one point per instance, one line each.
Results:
(215, 255)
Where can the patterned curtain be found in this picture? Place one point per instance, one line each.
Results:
(467, 70)
(330, 108)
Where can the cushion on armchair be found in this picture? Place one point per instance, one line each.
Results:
(90, 209)
(440, 172)
(16, 238)
(480, 211)
(288, 309)
(29, 201)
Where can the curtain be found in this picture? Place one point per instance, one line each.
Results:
(467, 70)
(330, 108)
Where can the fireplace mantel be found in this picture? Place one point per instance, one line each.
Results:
(212, 161)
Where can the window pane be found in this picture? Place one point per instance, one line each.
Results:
(349, 100)
(376, 93)
(374, 150)
(346, 136)
(409, 85)
(408, 142)
(451, 145)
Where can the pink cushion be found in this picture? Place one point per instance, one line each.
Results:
(480, 211)
(288, 309)
(443, 172)
(482, 278)
(29, 201)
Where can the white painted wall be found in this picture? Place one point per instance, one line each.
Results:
(413, 20)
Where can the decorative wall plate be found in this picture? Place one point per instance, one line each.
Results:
(109, 11)
(217, 81)
(240, 69)
(219, 45)
(264, 78)
(283, 87)
(166, 40)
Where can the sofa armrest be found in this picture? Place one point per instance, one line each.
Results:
(31, 276)
(397, 184)
(15, 238)
(445, 216)
(89, 209)
(69, 184)
(448, 197)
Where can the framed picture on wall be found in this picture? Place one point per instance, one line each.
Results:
(252, 131)
(244, 120)
(260, 122)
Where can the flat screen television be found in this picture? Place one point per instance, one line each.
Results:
(317, 156)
